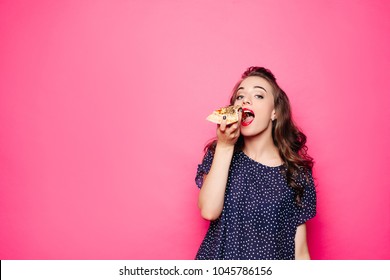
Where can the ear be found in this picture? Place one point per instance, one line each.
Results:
(273, 115)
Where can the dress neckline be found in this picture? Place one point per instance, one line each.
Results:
(259, 163)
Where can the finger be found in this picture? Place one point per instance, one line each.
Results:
(233, 127)
(237, 124)
(239, 117)
(236, 128)
(222, 126)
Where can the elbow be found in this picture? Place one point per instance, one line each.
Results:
(209, 215)
(209, 211)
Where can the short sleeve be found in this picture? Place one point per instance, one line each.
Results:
(309, 200)
(204, 168)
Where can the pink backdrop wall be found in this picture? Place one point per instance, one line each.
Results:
(102, 119)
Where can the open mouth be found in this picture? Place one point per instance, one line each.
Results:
(247, 116)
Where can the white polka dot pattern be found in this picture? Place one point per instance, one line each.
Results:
(260, 216)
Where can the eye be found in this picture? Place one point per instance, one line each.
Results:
(239, 97)
(259, 96)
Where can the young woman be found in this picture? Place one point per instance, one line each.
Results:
(255, 181)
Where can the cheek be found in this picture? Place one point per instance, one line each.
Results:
(269, 107)
(237, 102)
(265, 112)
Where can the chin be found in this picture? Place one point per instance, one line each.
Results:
(248, 133)
(251, 131)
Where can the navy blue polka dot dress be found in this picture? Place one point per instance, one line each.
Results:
(260, 216)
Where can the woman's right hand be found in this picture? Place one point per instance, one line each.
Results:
(212, 193)
(227, 135)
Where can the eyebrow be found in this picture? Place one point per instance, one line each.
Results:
(253, 87)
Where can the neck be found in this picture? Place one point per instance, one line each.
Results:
(261, 148)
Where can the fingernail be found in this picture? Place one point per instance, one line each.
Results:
(224, 117)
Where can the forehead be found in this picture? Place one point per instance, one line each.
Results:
(253, 81)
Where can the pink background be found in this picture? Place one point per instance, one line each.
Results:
(102, 116)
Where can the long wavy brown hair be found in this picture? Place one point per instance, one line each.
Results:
(287, 137)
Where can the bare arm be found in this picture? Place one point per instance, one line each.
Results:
(301, 248)
(212, 193)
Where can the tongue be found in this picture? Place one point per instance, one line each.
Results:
(247, 119)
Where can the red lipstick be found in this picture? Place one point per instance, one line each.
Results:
(247, 116)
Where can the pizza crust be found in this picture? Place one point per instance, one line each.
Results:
(231, 113)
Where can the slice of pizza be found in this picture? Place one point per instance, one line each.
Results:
(231, 113)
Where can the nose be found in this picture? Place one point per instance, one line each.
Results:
(246, 101)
